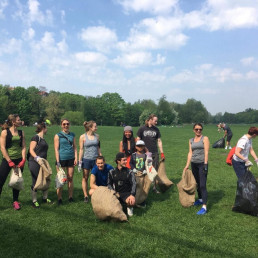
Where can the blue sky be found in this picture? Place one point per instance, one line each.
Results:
(142, 49)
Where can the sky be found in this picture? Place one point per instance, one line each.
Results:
(141, 49)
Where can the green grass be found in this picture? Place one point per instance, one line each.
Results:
(163, 229)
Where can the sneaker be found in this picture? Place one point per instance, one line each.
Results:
(226, 148)
(71, 199)
(141, 205)
(60, 202)
(130, 211)
(86, 199)
(198, 202)
(16, 205)
(35, 205)
(48, 201)
(230, 148)
(202, 211)
(155, 190)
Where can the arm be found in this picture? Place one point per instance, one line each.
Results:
(32, 147)
(23, 147)
(253, 154)
(225, 133)
(206, 149)
(81, 141)
(121, 147)
(110, 180)
(3, 143)
(75, 152)
(160, 145)
(99, 150)
(189, 157)
(56, 147)
(93, 182)
(133, 183)
(132, 163)
(238, 154)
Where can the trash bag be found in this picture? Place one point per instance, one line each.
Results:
(219, 144)
(247, 195)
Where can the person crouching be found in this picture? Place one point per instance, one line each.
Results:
(122, 180)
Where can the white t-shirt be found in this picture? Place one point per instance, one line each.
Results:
(245, 144)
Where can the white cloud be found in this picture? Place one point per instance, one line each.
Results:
(28, 34)
(11, 46)
(90, 57)
(247, 61)
(252, 75)
(62, 16)
(150, 6)
(133, 60)
(3, 5)
(99, 38)
(160, 60)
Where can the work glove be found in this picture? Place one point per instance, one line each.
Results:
(11, 164)
(256, 161)
(37, 158)
(162, 156)
(79, 166)
(248, 163)
(58, 164)
(21, 164)
(205, 168)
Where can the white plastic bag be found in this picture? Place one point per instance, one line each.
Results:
(61, 178)
(16, 179)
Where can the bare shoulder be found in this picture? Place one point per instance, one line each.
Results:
(4, 133)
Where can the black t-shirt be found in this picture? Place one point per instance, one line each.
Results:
(226, 128)
(149, 135)
(41, 147)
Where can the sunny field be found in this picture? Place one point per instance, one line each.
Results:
(163, 229)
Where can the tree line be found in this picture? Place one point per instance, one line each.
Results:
(34, 104)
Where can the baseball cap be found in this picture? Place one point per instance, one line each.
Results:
(140, 142)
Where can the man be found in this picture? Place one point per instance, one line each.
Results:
(228, 133)
(122, 180)
(150, 134)
(99, 174)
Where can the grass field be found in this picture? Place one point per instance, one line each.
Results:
(163, 229)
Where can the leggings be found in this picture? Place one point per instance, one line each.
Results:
(4, 172)
(34, 170)
(201, 179)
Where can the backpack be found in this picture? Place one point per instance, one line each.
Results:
(230, 156)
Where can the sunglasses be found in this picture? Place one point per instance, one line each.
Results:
(198, 129)
(66, 124)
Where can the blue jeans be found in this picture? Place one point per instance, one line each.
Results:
(239, 168)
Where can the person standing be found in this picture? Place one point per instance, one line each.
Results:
(38, 150)
(13, 149)
(227, 133)
(244, 146)
(150, 134)
(198, 157)
(89, 151)
(66, 156)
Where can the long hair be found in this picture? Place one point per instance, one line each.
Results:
(150, 117)
(132, 144)
(88, 125)
(9, 122)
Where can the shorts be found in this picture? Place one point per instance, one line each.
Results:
(67, 163)
(229, 137)
(88, 163)
(123, 197)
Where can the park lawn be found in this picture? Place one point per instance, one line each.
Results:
(163, 229)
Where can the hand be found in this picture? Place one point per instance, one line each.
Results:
(205, 168)
(256, 161)
(130, 200)
(58, 164)
(21, 164)
(79, 166)
(248, 163)
(37, 158)
(162, 156)
(11, 164)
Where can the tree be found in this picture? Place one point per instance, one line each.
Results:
(165, 112)
(75, 117)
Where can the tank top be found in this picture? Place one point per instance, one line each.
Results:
(15, 151)
(91, 147)
(197, 151)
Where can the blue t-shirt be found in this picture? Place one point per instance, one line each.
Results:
(66, 150)
(101, 175)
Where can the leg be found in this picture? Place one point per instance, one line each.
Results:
(34, 170)
(239, 168)
(4, 171)
(155, 163)
(202, 182)
(195, 171)
(70, 171)
(85, 181)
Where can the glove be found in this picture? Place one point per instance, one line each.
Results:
(205, 168)
(248, 163)
(37, 158)
(79, 166)
(162, 156)
(22, 163)
(135, 170)
(256, 161)
(58, 164)
(11, 164)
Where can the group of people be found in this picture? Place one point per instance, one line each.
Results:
(132, 155)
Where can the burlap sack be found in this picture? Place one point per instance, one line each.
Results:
(143, 184)
(106, 206)
(186, 189)
(43, 179)
(162, 180)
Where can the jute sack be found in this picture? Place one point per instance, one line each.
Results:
(186, 189)
(43, 179)
(143, 184)
(162, 180)
(106, 206)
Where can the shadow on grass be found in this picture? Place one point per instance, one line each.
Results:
(214, 197)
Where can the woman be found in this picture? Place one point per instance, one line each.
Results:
(38, 149)
(89, 151)
(240, 160)
(198, 156)
(14, 151)
(66, 156)
(127, 145)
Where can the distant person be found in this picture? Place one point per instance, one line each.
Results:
(122, 180)
(198, 157)
(227, 133)
(38, 150)
(127, 145)
(66, 156)
(244, 146)
(89, 151)
(219, 127)
(13, 149)
(150, 134)
(99, 174)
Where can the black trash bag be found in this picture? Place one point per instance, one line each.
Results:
(219, 144)
(247, 195)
